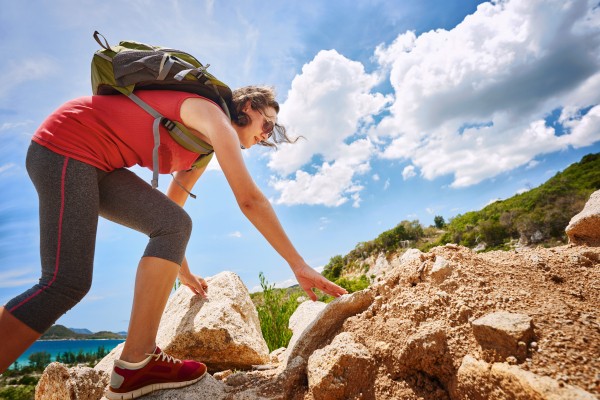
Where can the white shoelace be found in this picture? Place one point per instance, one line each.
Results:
(165, 357)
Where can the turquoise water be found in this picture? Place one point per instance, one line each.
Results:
(54, 347)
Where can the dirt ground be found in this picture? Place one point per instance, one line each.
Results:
(557, 287)
(418, 330)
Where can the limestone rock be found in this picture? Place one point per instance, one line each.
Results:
(223, 331)
(302, 317)
(328, 321)
(277, 355)
(318, 333)
(478, 380)
(411, 254)
(341, 370)
(584, 228)
(441, 269)
(206, 388)
(380, 266)
(503, 332)
(58, 382)
(427, 351)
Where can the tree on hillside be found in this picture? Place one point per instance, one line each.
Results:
(334, 268)
(39, 360)
(439, 222)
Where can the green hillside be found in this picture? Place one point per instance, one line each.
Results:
(536, 217)
(60, 332)
(539, 215)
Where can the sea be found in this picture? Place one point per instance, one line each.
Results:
(54, 347)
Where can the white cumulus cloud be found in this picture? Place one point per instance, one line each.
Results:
(408, 172)
(472, 101)
(329, 104)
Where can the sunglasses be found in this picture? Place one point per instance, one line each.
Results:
(268, 125)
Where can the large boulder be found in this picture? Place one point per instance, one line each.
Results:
(59, 382)
(206, 388)
(508, 334)
(222, 331)
(341, 370)
(478, 380)
(584, 228)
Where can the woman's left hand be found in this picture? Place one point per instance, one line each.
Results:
(194, 282)
(308, 279)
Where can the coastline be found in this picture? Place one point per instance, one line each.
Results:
(60, 346)
(57, 340)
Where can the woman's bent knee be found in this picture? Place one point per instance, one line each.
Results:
(169, 242)
(41, 305)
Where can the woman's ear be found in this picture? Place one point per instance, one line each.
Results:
(246, 106)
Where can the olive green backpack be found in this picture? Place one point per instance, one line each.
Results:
(133, 66)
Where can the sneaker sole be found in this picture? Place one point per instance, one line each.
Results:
(134, 394)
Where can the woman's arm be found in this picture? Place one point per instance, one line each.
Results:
(207, 118)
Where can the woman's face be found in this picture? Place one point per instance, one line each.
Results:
(260, 127)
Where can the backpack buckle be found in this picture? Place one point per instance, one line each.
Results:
(167, 123)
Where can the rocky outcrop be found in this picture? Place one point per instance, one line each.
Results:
(584, 228)
(318, 334)
(507, 334)
(522, 324)
(341, 370)
(59, 382)
(223, 331)
(478, 380)
(441, 270)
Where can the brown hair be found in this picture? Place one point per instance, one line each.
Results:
(260, 97)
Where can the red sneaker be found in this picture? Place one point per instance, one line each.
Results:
(158, 371)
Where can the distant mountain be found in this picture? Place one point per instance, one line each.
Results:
(81, 331)
(60, 332)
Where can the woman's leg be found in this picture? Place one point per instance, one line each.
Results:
(128, 200)
(68, 206)
(153, 283)
(16, 337)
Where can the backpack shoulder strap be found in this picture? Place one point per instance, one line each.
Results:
(198, 146)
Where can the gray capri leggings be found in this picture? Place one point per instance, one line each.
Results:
(71, 196)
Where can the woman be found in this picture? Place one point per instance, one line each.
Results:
(77, 161)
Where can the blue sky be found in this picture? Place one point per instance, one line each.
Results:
(409, 109)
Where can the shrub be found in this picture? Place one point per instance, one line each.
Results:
(17, 393)
(354, 285)
(274, 314)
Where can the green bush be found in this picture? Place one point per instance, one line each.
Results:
(28, 380)
(354, 285)
(17, 393)
(274, 312)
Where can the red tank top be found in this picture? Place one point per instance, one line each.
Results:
(111, 132)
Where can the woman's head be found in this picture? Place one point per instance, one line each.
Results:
(255, 107)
